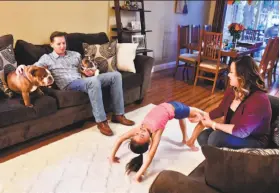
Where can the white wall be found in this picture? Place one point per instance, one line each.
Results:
(34, 21)
(163, 21)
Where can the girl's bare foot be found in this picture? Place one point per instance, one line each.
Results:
(190, 144)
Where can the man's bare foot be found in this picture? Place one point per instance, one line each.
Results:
(190, 144)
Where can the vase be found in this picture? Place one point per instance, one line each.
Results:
(234, 42)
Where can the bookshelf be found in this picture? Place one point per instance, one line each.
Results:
(125, 34)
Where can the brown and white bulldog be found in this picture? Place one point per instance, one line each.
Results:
(88, 68)
(30, 80)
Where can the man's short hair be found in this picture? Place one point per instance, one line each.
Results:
(57, 34)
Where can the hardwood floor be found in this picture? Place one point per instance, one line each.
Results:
(163, 88)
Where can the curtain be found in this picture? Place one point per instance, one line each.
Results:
(219, 15)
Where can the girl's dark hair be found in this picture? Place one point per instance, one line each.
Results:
(250, 79)
(136, 163)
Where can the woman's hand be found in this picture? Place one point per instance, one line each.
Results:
(206, 121)
(114, 160)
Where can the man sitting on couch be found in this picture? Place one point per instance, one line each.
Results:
(64, 66)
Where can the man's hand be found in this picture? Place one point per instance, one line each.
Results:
(19, 69)
(114, 160)
(88, 72)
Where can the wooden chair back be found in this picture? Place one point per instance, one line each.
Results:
(270, 54)
(183, 39)
(252, 35)
(195, 34)
(208, 28)
(210, 46)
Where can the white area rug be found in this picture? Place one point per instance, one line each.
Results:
(79, 163)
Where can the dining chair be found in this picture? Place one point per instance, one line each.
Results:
(248, 35)
(189, 59)
(195, 36)
(209, 58)
(252, 35)
(268, 63)
(208, 28)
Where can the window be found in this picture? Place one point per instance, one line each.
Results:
(260, 15)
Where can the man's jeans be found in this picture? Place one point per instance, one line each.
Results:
(92, 86)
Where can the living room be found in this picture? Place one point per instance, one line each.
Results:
(56, 145)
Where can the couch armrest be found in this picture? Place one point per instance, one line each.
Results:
(172, 182)
(144, 65)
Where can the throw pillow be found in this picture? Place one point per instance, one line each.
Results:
(27, 53)
(75, 40)
(6, 40)
(126, 53)
(7, 61)
(242, 171)
(103, 55)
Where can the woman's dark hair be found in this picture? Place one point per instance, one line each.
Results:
(57, 34)
(136, 163)
(250, 79)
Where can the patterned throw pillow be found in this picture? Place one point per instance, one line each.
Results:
(103, 55)
(7, 62)
(255, 151)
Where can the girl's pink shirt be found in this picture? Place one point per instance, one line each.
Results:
(158, 117)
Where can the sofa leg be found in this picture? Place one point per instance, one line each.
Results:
(139, 101)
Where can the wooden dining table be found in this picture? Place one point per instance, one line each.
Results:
(242, 49)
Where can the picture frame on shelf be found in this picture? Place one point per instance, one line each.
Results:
(135, 25)
(140, 39)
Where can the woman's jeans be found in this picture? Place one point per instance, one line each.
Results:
(219, 138)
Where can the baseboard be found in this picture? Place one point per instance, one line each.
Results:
(164, 66)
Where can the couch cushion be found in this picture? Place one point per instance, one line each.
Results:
(13, 110)
(131, 80)
(242, 171)
(67, 98)
(75, 40)
(6, 40)
(27, 53)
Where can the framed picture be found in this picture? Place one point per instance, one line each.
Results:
(140, 39)
(180, 7)
(136, 25)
